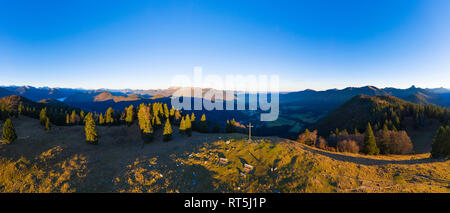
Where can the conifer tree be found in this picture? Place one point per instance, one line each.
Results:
(21, 109)
(82, 115)
(109, 116)
(47, 124)
(370, 145)
(74, 119)
(9, 132)
(157, 121)
(172, 113)
(167, 134)
(440, 147)
(166, 111)
(130, 114)
(177, 115)
(101, 119)
(144, 121)
(188, 125)
(182, 126)
(43, 115)
(193, 117)
(67, 119)
(90, 129)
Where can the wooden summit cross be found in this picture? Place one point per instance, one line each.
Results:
(250, 131)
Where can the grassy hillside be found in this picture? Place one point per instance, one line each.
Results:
(420, 122)
(357, 112)
(60, 161)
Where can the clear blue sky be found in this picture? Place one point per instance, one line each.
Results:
(314, 44)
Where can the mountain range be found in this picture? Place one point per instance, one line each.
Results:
(298, 110)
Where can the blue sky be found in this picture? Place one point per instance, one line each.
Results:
(315, 44)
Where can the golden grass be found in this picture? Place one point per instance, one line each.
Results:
(60, 161)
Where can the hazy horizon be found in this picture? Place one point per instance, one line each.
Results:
(90, 89)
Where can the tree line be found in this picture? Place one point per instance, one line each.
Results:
(370, 142)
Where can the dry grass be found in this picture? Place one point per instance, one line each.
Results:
(60, 161)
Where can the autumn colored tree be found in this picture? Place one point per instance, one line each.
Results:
(109, 116)
(74, 118)
(188, 125)
(167, 134)
(166, 111)
(47, 124)
(129, 114)
(67, 119)
(177, 115)
(172, 113)
(9, 132)
(308, 138)
(203, 124)
(144, 120)
(182, 126)
(82, 115)
(101, 119)
(43, 115)
(90, 129)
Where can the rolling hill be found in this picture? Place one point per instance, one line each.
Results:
(362, 109)
(40, 93)
(61, 161)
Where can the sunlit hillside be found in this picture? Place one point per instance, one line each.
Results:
(61, 161)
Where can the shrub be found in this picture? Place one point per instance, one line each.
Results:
(358, 138)
(348, 146)
(308, 138)
(394, 142)
(321, 143)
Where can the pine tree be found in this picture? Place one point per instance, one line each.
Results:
(20, 109)
(47, 124)
(67, 119)
(82, 115)
(177, 115)
(192, 117)
(109, 116)
(167, 134)
(440, 147)
(188, 125)
(172, 113)
(90, 129)
(166, 111)
(157, 121)
(101, 119)
(370, 145)
(74, 119)
(43, 115)
(130, 114)
(9, 132)
(182, 126)
(144, 121)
